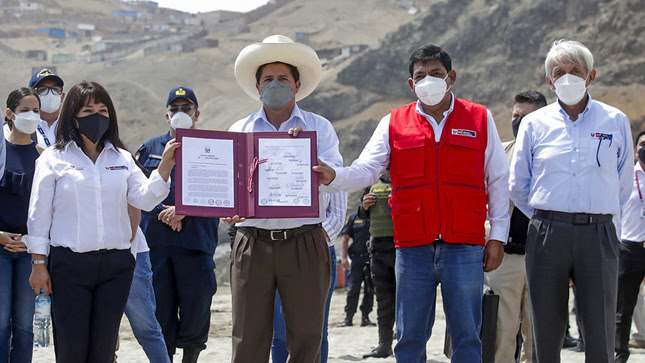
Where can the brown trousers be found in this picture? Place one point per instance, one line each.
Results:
(300, 269)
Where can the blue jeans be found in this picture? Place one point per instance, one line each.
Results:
(279, 351)
(460, 271)
(140, 310)
(16, 307)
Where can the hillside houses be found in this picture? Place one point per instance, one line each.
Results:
(111, 30)
(130, 27)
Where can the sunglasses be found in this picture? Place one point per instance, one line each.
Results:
(56, 90)
(184, 108)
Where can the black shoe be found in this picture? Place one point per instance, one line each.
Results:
(347, 322)
(569, 342)
(379, 352)
(190, 355)
(367, 322)
(580, 347)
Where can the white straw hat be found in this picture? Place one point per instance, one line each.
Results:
(278, 48)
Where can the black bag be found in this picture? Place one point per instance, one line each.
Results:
(488, 332)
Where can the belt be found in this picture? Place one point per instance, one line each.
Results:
(573, 218)
(278, 234)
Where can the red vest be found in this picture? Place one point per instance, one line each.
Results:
(438, 189)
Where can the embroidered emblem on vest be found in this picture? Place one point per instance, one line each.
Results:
(463, 132)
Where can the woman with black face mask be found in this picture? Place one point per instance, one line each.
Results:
(78, 215)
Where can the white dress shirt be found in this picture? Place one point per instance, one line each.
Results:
(45, 134)
(139, 243)
(336, 212)
(327, 146)
(633, 220)
(375, 157)
(576, 167)
(84, 206)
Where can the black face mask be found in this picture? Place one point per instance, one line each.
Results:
(93, 126)
(641, 155)
(516, 125)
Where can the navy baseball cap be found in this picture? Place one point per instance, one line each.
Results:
(42, 75)
(182, 92)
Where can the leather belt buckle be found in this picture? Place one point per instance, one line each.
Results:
(582, 219)
(278, 235)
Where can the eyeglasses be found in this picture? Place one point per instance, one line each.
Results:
(184, 108)
(43, 91)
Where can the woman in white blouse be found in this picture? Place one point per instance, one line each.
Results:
(78, 215)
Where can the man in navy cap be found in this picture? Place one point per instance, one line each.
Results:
(50, 89)
(181, 247)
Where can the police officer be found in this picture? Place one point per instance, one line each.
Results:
(358, 230)
(181, 247)
(375, 207)
(49, 86)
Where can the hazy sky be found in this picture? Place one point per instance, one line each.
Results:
(194, 6)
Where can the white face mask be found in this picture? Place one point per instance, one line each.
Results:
(181, 120)
(570, 89)
(430, 90)
(27, 122)
(50, 102)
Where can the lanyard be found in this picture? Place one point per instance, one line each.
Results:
(47, 143)
(638, 186)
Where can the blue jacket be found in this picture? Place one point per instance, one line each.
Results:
(197, 233)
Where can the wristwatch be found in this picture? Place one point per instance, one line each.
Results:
(37, 262)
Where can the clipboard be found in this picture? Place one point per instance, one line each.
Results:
(199, 190)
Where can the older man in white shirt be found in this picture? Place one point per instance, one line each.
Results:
(571, 173)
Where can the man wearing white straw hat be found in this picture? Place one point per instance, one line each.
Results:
(290, 255)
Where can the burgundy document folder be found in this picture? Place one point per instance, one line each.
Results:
(204, 193)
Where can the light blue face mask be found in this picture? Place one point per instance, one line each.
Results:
(276, 95)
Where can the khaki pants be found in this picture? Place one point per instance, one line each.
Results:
(509, 281)
(300, 269)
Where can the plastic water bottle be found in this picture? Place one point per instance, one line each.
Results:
(42, 319)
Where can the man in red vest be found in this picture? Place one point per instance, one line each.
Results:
(447, 164)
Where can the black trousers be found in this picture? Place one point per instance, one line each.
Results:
(184, 284)
(382, 261)
(631, 271)
(588, 254)
(90, 291)
(356, 278)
